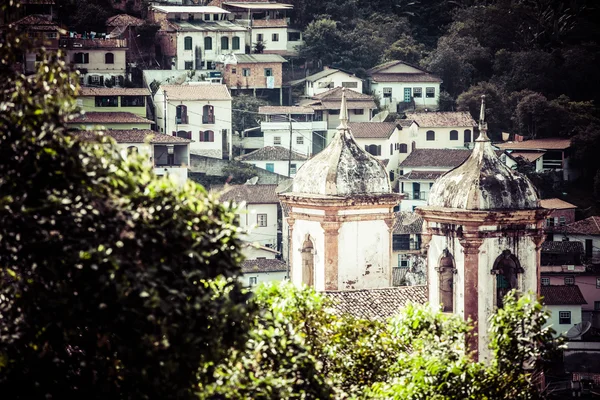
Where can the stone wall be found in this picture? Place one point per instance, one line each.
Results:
(257, 78)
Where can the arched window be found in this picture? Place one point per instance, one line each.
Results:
(467, 135)
(373, 149)
(391, 149)
(430, 135)
(235, 43)
(187, 43)
(109, 58)
(224, 43)
(403, 148)
(308, 263)
(184, 134)
(181, 114)
(453, 135)
(507, 269)
(206, 136)
(208, 114)
(446, 273)
(132, 150)
(413, 146)
(207, 43)
(392, 175)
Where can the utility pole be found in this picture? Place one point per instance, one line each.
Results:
(290, 155)
(165, 113)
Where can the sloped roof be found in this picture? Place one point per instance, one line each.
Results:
(562, 247)
(421, 175)
(124, 20)
(37, 23)
(404, 123)
(588, 226)
(251, 194)
(529, 156)
(405, 77)
(373, 130)
(325, 73)
(536, 144)
(376, 304)
(272, 153)
(263, 265)
(438, 158)
(104, 91)
(562, 295)
(259, 58)
(388, 64)
(442, 119)
(336, 94)
(134, 136)
(556, 204)
(285, 110)
(269, 23)
(116, 117)
(407, 222)
(196, 92)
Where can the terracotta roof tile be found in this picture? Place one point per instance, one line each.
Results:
(251, 194)
(529, 156)
(272, 153)
(555, 295)
(556, 204)
(124, 20)
(116, 117)
(133, 136)
(37, 22)
(448, 158)
(285, 110)
(588, 226)
(562, 247)
(269, 23)
(386, 65)
(442, 119)
(263, 265)
(336, 94)
(196, 92)
(103, 91)
(376, 304)
(325, 73)
(536, 144)
(407, 222)
(405, 77)
(421, 175)
(404, 123)
(259, 58)
(375, 130)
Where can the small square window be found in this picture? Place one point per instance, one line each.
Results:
(564, 317)
(275, 37)
(418, 92)
(261, 219)
(299, 140)
(430, 92)
(245, 71)
(189, 65)
(252, 280)
(597, 306)
(268, 71)
(276, 139)
(387, 92)
(233, 71)
(430, 135)
(545, 281)
(569, 280)
(402, 261)
(293, 169)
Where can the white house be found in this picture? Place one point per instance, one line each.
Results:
(408, 263)
(275, 159)
(197, 111)
(259, 212)
(261, 270)
(586, 231)
(193, 37)
(169, 155)
(380, 139)
(328, 79)
(439, 130)
(401, 86)
(306, 132)
(564, 303)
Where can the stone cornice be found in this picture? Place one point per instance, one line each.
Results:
(482, 218)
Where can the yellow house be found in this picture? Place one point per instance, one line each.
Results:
(101, 99)
(109, 120)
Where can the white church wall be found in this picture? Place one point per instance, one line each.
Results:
(436, 247)
(301, 230)
(364, 255)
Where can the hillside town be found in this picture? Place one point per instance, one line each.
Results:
(362, 184)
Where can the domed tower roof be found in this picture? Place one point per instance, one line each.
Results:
(483, 181)
(342, 168)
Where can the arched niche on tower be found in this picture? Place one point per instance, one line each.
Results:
(507, 269)
(446, 270)
(308, 262)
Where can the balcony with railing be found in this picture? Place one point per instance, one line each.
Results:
(415, 195)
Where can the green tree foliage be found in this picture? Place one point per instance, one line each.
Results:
(321, 41)
(108, 273)
(245, 112)
(406, 49)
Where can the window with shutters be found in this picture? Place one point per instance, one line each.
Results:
(184, 134)
(81, 58)
(206, 136)
(373, 149)
(293, 169)
(430, 135)
(181, 116)
(224, 43)
(259, 37)
(107, 101)
(235, 43)
(187, 43)
(208, 114)
(403, 148)
(109, 58)
(207, 43)
(453, 135)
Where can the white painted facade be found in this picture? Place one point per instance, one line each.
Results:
(389, 151)
(97, 66)
(277, 166)
(199, 57)
(274, 38)
(278, 134)
(251, 216)
(262, 277)
(418, 135)
(220, 147)
(554, 320)
(523, 248)
(337, 79)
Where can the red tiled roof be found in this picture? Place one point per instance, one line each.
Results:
(536, 144)
(588, 226)
(374, 130)
(251, 194)
(556, 204)
(263, 265)
(389, 64)
(272, 153)
(407, 222)
(124, 20)
(562, 247)
(103, 91)
(442, 119)
(529, 156)
(336, 94)
(405, 77)
(116, 117)
(285, 110)
(449, 158)
(376, 304)
(555, 295)
(196, 92)
(421, 175)
(269, 23)
(133, 136)
(37, 23)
